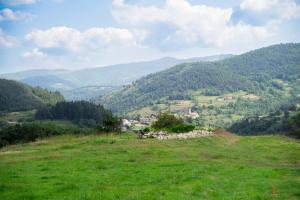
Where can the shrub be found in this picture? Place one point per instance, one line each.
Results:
(181, 128)
(111, 124)
(146, 130)
(166, 120)
(87, 123)
(170, 123)
(25, 133)
(2, 123)
(294, 125)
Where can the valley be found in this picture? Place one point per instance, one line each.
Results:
(149, 100)
(93, 82)
(208, 92)
(226, 129)
(210, 111)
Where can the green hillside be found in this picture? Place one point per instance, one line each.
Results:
(15, 96)
(123, 167)
(254, 83)
(284, 121)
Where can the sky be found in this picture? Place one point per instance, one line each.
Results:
(77, 34)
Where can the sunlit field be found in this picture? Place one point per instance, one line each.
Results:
(124, 167)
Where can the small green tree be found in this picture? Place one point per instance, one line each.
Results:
(43, 113)
(294, 125)
(166, 120)
(111, 124)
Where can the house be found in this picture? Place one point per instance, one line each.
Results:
(12, 123)
(147, 120)
(126, 124)
(193, 115)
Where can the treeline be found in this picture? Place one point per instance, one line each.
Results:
(30, 132)
(179, 97)
(75, 110)
(84, 113)
(15, 96)
(55, 120)
(281, 122)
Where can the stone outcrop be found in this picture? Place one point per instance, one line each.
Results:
(161, 135)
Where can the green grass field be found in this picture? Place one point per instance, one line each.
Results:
(123, 167)
(17, 116)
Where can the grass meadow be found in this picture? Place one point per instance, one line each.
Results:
(124, 167)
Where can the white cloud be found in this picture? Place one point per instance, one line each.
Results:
(137, 15)
(242, 35)
(23, 2)
(73, 40)
(95, 38)
(10, 15)
(257, 5)
(59, 47)
(18, 2)
(193, 24)
(35, 53)
(56, 37)
(284, 9)
(7, 40)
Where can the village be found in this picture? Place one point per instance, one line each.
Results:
(136, 124)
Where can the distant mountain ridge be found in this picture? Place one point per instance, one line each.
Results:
(51, 82)
(114, 75)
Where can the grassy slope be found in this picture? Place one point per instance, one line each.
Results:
(122, 167)
(208, 115)
(17, 116)
(221, 114)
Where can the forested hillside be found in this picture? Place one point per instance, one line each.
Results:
(15, 96)
(271, 74)
(88, 92)
(84, 113)
(286, 120)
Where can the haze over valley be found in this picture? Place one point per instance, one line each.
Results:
(98, 81)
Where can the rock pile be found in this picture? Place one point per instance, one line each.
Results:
(161, 135)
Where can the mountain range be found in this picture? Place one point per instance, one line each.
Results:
(221, 89)
(114, 76)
